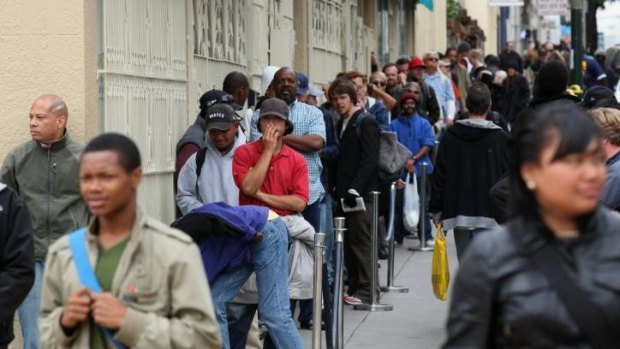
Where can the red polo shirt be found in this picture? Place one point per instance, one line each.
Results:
(287, 174)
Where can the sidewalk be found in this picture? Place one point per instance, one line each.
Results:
(418, 319)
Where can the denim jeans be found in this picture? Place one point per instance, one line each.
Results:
(29, 309)
(462, 239)
(270, 262)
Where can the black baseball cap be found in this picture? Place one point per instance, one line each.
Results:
(596, 94)
(220, 116)
(212, 97)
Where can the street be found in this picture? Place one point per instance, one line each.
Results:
(418, 318)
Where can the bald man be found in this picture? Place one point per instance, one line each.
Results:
(44, 173)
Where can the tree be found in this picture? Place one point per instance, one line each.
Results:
(591, 25)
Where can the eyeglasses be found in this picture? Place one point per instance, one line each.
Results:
(432, 59)
(413, 91)
(379, 83)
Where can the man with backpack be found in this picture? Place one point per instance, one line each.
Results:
(214, 160)
(355, 177)
(126, 280)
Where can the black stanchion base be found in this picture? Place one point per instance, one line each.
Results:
(397, 289)
(374, 307)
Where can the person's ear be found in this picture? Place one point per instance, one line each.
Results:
(135, 176)
(529, 173)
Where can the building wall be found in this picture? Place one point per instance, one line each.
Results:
(430, 32)
(43, 53)
(138, 67)
(487, 20)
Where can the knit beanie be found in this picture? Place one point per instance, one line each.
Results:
(552, 80)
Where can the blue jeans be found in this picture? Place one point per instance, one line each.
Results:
(462, 239)
(270, 262)
(29, 309)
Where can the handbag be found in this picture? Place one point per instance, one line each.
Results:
(440, 273)
(411, 205)
(587, 315)
(86, 274)
(392, 154)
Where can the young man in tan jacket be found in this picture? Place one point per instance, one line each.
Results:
(154, 287)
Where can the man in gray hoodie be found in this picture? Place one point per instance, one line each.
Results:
(207, 174)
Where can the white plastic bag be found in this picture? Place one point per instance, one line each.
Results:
(411, 207)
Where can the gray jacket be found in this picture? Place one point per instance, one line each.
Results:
(215, 182)
(611, 192)
(47, 179)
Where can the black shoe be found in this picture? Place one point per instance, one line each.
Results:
(308, 326)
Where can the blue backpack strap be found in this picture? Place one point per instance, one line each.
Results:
(86, 274)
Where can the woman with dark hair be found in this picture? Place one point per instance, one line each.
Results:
(549, 278)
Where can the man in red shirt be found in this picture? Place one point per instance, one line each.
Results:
(268, 172)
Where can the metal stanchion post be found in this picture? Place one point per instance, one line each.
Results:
(337, 320)
(374, 305)
(390, 239)
(423, 214)
(319, 249)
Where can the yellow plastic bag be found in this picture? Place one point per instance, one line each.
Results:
(440, 275)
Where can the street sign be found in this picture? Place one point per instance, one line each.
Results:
(500, 3)
(552, 7)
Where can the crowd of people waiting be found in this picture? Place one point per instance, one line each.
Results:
(499, 137)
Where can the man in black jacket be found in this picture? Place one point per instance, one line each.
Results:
(355, 177)
(16, 259)
(515, 94)
(472, 157)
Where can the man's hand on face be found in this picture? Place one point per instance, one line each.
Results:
(76, 310)
(270, 138)
(108, 311)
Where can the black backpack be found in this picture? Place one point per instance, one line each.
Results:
(200, 160)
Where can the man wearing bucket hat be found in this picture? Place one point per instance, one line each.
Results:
(269, 172)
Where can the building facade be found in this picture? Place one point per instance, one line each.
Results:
(138, 67)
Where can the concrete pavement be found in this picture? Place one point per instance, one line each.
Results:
(418, 319)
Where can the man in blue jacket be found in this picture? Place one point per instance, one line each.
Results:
(415, 133)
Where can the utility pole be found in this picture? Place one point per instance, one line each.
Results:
(576, 30)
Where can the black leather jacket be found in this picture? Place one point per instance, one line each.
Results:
(500, 300)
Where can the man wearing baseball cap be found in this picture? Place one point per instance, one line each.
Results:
(194, 137)
(212, 181)
(427, 104)
(415, 133)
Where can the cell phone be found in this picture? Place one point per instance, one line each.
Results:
(359, 205)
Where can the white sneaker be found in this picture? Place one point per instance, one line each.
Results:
(430, 243)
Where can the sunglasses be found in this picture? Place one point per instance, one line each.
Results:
(413, 91)
(432, 59)
(379, 83)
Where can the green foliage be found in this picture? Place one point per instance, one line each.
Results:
(453, 9)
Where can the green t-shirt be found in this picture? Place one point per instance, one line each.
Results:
(105, 270)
